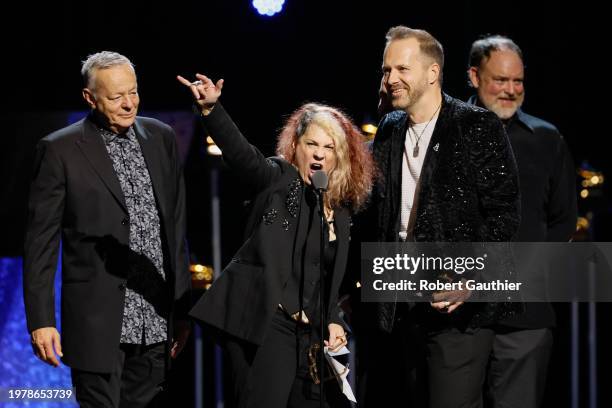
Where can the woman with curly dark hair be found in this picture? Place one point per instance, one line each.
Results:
(265, 305)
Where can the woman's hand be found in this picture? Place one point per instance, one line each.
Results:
(205, 92)
(337, 337)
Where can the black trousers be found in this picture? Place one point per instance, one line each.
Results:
(457, 364)
(391, 368)
(418, 368)
(518, 368)
(138, 376)
(276, 374)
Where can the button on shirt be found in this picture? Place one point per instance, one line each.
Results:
(146, 301)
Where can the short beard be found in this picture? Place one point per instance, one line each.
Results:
(414, 95)
(505, 113)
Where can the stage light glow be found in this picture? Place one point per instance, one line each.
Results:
(213, 150)
(369, 128)
(582, 223)
(268, 7)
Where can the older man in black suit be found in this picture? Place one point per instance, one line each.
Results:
(110, 188)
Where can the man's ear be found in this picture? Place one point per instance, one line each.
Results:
(433, 73)
(89, 97)
(473, 74)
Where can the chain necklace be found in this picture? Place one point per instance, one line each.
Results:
(415, 151)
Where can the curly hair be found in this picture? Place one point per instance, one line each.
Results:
(350, 182)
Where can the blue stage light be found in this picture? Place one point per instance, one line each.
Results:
(268, 7)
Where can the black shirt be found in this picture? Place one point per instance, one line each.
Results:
(301, 291)
(547, 181)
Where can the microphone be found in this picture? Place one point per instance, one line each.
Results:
(319, 180)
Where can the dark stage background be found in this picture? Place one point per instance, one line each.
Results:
(326, 51)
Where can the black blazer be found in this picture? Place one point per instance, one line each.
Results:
(75, 196)
(243, 300)
(468, 190)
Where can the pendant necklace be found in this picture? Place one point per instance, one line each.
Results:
(415, 151)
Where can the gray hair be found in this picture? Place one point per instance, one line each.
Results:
(101, 60)
(484, 47)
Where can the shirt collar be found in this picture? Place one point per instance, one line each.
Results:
(521, 118)
(110, 137)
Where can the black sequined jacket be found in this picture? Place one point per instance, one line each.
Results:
(468, 192)
(243, 300)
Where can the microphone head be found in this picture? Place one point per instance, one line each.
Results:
(319, 180)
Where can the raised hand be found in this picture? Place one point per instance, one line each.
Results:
(204, 91)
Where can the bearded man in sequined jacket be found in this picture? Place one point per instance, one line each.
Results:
(447, 174)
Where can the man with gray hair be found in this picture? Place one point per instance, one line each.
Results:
(522, 345)
(110, 188)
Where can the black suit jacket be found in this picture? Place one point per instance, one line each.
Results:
(243, 300)
(468, 191)
(75, 196)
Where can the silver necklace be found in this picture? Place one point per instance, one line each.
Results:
(415, 151)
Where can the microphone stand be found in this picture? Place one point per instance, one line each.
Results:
(322, 303)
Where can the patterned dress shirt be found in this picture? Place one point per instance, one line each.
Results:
(146, 302)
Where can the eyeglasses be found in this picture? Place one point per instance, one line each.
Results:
(313, 354)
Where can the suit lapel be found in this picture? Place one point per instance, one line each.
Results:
(342, 235)
(394, 184)
(302, 225)
(92, 146)
(436, 143)
(151, 154)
